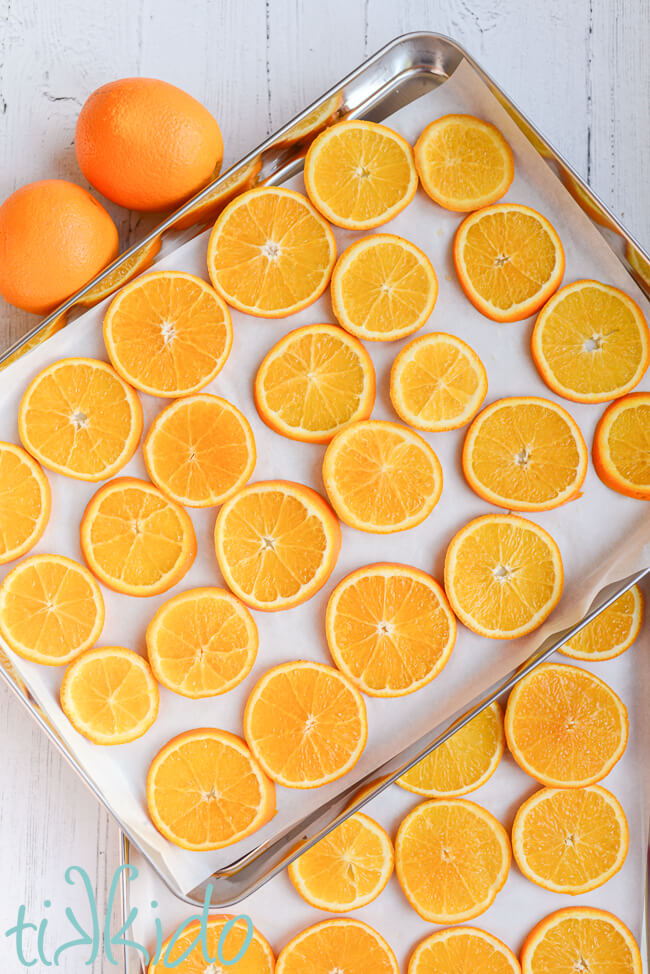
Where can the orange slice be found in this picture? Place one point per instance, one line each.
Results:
(360, 174)
(509, 260)
(168, 333)
(79, 418)
(109, 695)
(134, 539)
(200, 450)
(128, 268)
(305, 723)
(525, 453)
(463, 162)
(621, 449)
(381, 477)
(277, 543)
(611, 632)
(51, 609)
(225, 940)
(270, 253)
(565, 727)
(437, 383)
(451, 857)
(390, 629)
(208, 208)
(503, 575)
(638, 262)
(464, 762)
(314, 381)
(581, 937)
(570, 840)
(344, 945)
(383, 288)
(314, 121)
(202, 642)
(56, 325)
(462, 950)
(25, 502)
(591, 342)
(206, 791)
(347, 869)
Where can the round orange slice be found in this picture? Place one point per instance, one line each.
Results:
(314, 381)
(200, 450)
(128, 268)
(383, 288)
(270, 253)
(305, 723)
(202, 642)
(25, 502)
(360, 174)
(80, 419)
(525, 453)
(509, 260)
(570, 840)
(168, 333)
(565, 727)
(581, 937)
(611, 632)
(205, 790)
(226, 942)
(347, 869)
(451, 858)
(277, 543)
(464, 762)
(136, 540)
(381, 477)
(343, 944)
(621, 449)
(51, 609)
(390, 629)
(109, 695)
(503, 575)
(463, 162)
(462, 950)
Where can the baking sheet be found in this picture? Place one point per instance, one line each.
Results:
(588, 531)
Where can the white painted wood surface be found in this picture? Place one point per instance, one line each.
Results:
(579, 69)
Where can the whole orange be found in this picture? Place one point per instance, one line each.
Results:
(54, 238)
(146, 144)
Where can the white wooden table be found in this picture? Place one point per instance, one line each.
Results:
(579, 69)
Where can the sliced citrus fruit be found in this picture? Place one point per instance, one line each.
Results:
(463, 162)
(581, 938)
(611, 632)
(168, 333)
(464, 762)
(383, 288)
(200, 450)
(51, 609)
(134, 539)
(202, 642)
(503, 575)
(347, 869)
(451, 857)
(128, 268)
(360, 174)
(381, 477)
(638, 262)
(277, 543)
(509, 260)
(56, 325)
(346, 945)
(208, 208)
(390, 629)
(270, 253)
(305, 723)
(314, 121)
(226, 942)
(621, 450)
(205, 790)
(570, 840)
(79, 418)
(564, 726)
(25, 502)
(437, 383)
(314, 381)
(109, 695)
(525, 453)
(462, 950)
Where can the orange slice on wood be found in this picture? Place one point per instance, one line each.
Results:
(611, 632)
(621, 449)
(337, 945)
(25, 502)
(226, 939)
(462, 950)
(581, 936)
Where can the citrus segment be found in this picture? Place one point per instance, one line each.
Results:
(581, 938)
(344, 945)
(621, 450)
(611, 632)
(225, 939)
(25, 502)
(462, 950)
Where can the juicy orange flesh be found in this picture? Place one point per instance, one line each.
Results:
(124, 272)
(463, 161)
(608, 630)
(629, 444)
(390, 630)
(591, 945)
(256, 959)
(338, 947)
(346, 865)
(462, 762)
(110, 695)
(463, 953)
(439, 382)
(21, 501)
